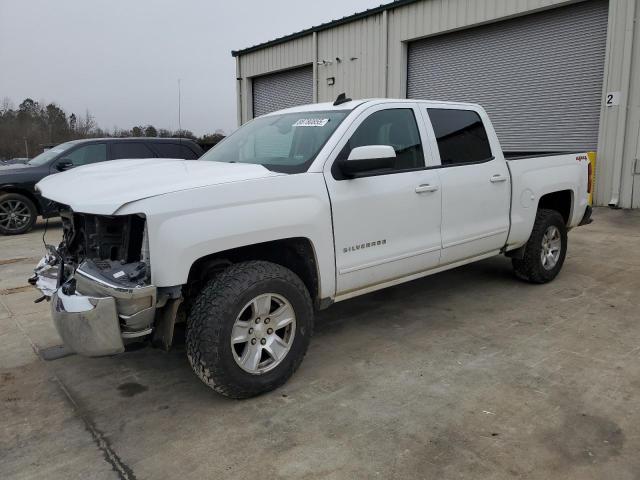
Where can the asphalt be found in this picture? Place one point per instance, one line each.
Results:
(465, 374)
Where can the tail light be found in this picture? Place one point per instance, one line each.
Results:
(589, 177)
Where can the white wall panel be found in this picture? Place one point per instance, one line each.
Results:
(278, 57)
(360, 70)
(422, 19)
(619, 124)
(538, 76)
(379, 41)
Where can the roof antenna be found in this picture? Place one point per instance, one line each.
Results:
(179, 114)
(342, 98)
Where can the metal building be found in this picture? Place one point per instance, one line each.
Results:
(555, 75)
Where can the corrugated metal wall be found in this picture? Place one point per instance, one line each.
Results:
(352, 54)
(278, 57)
(620, 125)
(539, 76)
(422, 19)
(373, 63)
(631, 167)
(280, 90)
(369, 46)
(284, 56)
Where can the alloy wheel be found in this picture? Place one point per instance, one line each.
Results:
(14, 215)
(551, 247)
(263, 333)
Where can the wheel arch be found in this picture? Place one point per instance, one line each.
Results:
(22, 191)
(296, 253)
(562, 201)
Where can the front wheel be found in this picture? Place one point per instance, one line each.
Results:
(249, 329)
(17, 214)
(545, 250)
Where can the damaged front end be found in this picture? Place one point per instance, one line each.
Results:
(98, 281)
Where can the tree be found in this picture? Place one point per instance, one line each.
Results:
(210, 139)
(30, 129)
(150, 131)
(7, 105)
(183, 134)
(57, 123)
(29, 108)
(86, 125)
(36, 123)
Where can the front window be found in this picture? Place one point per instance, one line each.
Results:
(395, 127)
(47, 155)
(286, 143)
(95, 152)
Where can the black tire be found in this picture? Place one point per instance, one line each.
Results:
(22, 224)
(211, 319)
(530, 267)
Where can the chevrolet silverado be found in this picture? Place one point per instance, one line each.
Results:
(296, 210)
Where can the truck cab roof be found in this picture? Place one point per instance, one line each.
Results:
(353, 104)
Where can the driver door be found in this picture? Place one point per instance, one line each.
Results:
(82, 155)
(386, 225)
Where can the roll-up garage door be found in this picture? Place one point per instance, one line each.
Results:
(538, 76)
(282, 90)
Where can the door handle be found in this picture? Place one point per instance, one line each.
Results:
(425, 188)
(498, 178)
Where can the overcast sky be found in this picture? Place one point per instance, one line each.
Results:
(122, 59)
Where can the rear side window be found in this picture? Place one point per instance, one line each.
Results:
(130, 150)
(174, 150)
(461, 136)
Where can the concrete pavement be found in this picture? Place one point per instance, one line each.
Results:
(465, 374)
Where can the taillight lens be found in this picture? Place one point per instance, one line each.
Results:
(589, 176)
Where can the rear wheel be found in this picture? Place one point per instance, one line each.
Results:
(249, 328)
(17, 214)
(546, 249)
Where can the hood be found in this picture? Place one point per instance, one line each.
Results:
(14, 161)
(14, 167)
(103, 188)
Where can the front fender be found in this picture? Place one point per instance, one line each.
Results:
(187, 225)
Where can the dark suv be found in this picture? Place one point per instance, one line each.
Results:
(20, 204)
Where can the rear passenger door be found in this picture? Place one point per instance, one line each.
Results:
(475, 182)
(130, 150)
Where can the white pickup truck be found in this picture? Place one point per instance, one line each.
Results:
(294, 211)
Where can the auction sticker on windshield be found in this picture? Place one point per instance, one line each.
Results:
(311, 122)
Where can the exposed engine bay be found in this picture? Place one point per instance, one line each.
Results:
(99, 281)
(116, 246)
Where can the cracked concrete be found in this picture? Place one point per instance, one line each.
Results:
(466, 374)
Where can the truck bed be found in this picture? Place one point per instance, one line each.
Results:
(534, 176)
(525, 155)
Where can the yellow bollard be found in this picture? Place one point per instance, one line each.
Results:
(592, 174)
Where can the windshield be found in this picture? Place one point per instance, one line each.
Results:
(285, 143)
(44, 157)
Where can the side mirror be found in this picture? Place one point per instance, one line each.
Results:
(367, 159)
(64, 164)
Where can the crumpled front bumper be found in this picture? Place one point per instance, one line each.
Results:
(98, 316)
(87, 325)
